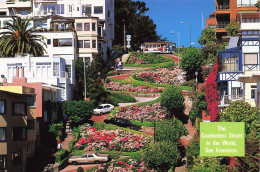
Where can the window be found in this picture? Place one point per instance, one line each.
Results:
(19, 133)
(246, 3)
(87, 60)
(93, 26)
(251, 59)
(86, 43)
(65, 42)
(86, 10)
(2, 134)
(79, 26)
(45, 116)
(62, 42)
(16, 158)
(56, 69)
(98, 10)
(24, 12)
(235, 91)
(230, 62)
(94, 42)
(70, 8)
(31, 101)
(3, 161)
(31, 124)
(77, 8)
(68, 69)
(48, 41)
(20, 109)
(108, 14)
(253, 91)
(60, 8)
(86, 26)
(80, 44)
(2, 107)
(90, 156)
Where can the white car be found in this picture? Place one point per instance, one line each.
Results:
(103, 108)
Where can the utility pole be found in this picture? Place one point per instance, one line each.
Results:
(124, 37)
(85, 84)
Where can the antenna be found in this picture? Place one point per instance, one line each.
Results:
(202, 22)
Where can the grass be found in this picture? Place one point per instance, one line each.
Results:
(119, 98)
(145, 123)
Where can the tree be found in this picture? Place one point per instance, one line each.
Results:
(200, 105)
(170, 130)
(141, 27)
(161, 156)
(95, 75)
(191, 62)
(207, 35)
(212, 93)
(250, 162)
(239, 111)
(208, 164)
(172, 99)
(232, 28)
(211, 49)
(193, 150)
(19, 39)
(79, 75)
(79, 111)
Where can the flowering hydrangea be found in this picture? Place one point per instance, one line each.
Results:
(130, 165)
(117, 140)
(145, 58)
(162, 75)
(116, 86)
(143, 113)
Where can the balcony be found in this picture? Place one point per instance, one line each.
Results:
(42, 1)
(226, 100)
(222, 7)
(18, 3)
(221, 26)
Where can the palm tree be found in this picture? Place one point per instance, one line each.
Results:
(18, 38)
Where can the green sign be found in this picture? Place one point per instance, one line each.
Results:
(222, 139)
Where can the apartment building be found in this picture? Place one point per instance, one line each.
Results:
(51, 71)
(225, 12)
(16, 128)
(239, 61)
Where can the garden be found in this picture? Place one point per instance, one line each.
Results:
(110, 140)
(145, 58)
(162, 76)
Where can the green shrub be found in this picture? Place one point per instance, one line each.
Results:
(79, 111)
(161, 156)
(144, 123)
(99, 125)
(63, 153)
(172, 99)
(63, 163)
(70, 145)
(169, 130)
(57, 130)
(76, 133)
(119, 98)
(193, 150)
(80, 169)
(190, 83)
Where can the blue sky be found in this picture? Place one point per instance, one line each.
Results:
(167, 14)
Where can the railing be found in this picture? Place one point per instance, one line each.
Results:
(17, 0)
(246, 5)
(220, 26)
(226, 100)
(45, 0)
(222, 7)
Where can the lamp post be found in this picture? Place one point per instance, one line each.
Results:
(172, 32)
(196, 73)
(124, 37)
(85, 84)
(190, 30)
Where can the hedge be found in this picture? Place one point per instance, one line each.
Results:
(145, 123)
(119, 98)
(138, 104)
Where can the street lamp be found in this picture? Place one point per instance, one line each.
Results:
(196, 73)
(190, 30)
(85, 84)
(172, 32)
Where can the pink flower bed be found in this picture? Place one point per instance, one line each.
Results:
(116, 86)
(130, 165)
(142, 113)
(117, 140)
(162, 75)
(145, 58)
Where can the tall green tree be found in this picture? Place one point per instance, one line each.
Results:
(191, 62)
(232, 28)
(207, 35)
(18, 38)
(141, 27)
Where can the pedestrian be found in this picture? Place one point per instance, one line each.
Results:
(59, 147)
(120, 65)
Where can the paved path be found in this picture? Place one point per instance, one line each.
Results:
(138, 100)
(175, 58)
(73, 168)
(121, 77)
(65, 143)
(99, 118)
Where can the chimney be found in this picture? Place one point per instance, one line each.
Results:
(17, 72)
(22, 73)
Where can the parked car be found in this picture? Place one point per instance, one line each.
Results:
(89, 157)
(123, 123)
(103, 108)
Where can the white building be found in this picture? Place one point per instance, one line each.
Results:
(49, 70)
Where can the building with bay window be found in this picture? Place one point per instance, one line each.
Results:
(239, 61)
